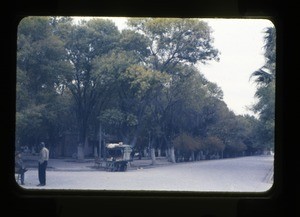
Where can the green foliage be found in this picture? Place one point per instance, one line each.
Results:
(185, 142)
(140, 84)
(112, 117)
(131, 120)
(265, 79)
(175, 41)
(133, 41)
(40, 55)
(29, 120)
(145, 82)
(40, 63)
(214, 144)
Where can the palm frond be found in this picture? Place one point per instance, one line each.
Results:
(262, 76)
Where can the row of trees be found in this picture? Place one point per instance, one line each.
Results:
(138, 85)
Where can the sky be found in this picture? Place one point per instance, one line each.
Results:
(240, 43)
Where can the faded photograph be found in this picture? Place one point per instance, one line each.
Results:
(145, 104)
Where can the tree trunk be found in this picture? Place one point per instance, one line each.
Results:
(167, 154)
(95, 152)
(193, 156)
(172, 155)
(158, 152)
(133, 141)
(82, 121)
(145, 152)
(100, 140)
(80, 152)
(86, 149)
(153, 156)
(82, 143)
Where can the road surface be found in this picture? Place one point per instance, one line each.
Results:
(244, 174)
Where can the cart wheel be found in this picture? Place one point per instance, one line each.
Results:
(123, 166)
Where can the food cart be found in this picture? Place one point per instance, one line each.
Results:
(117, 157)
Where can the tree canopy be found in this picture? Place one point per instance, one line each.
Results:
(265, 93)
(139, 85)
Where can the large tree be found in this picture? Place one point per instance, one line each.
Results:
(265, 79)
(174, 45)
(40, 62)
(139, 86)
(174, 41)
(86, 42)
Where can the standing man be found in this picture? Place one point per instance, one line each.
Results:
(43, 162)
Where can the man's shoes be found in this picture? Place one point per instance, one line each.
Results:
(41, 185)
